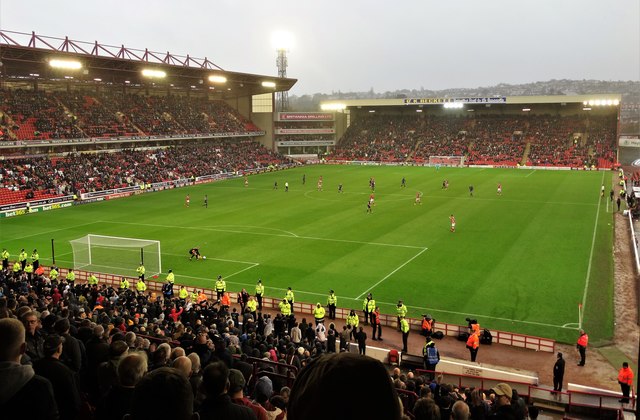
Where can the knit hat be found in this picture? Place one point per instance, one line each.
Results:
(236, 381)
(264, 387)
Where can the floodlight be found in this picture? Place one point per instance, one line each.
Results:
(585, 103)
(217, 79)
(591, 103)
(609, 102)
(282, 40)
(333, 107)
(616, 102)
(65, 64)
(269, 84)
(598, 102)
(34, 74)
(97, 80)
(154, 74)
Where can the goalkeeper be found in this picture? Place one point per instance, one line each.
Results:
(195, 253)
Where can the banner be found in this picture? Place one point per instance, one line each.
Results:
(294, 143)
(628, 141)
(23, 211)
(305, 116)
(465, 100)
(305, 131)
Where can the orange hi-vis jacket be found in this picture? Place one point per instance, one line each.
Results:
(226, 300)
(473, 341)
(583, 340)
(625, 376)
(427, 324)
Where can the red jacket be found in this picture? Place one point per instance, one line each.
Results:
(583, 340)
(176, 314)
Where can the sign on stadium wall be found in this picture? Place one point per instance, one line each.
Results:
(432, 101)
(20, 212)
(294, 143)
(305, 116)
(626, 141)
(305, 131)
(35, 203)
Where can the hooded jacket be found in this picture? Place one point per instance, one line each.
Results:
(23, 393)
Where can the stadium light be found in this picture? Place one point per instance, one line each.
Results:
(586, 108)
(526, 109)
(418, 110)
(453, 105)
(333, 107)
(282, 40)
(269, 84)
(217, 79)
(616, 102)
(154, 74)
(97, 80)
(65, 64)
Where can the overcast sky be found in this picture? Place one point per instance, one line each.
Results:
(356, 45)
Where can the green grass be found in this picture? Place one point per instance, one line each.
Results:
(518, 262)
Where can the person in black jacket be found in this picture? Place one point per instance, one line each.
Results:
(558, 373)
(218, 404)
(62, 378)
(23, 394)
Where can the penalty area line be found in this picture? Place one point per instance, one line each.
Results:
(391, 273)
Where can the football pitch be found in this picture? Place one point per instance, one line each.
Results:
(522, 261)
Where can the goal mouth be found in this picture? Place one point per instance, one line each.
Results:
(116, 255)
(446, 160)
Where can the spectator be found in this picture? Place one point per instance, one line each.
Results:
(162, 394)
(119, 398)
(331, 377)
(21, 389)
(217, 404)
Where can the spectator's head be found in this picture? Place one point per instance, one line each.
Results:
(163, 393)
(52, 346)
(330, 377)
(460, 411)
(117, 349)
(264, 389)
(130, 338)
(30, 321)
(236, 383)
(195, 362)
(62, 326)
(177, 352)
(503, 393)
(12, 337)
(183, 365)
(426, 409)
(132, 368)
(215, 379)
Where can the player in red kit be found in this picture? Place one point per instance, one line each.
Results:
(418, 198)
(499, 189)
(187, 200)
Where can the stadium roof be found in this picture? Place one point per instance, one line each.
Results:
(601, 99)
(26, 57)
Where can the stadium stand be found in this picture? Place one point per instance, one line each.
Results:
(77, 173)
(539, 140)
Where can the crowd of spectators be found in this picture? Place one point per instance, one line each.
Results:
(29, 114)
(78, 173)
(482, 139)
(101, 352)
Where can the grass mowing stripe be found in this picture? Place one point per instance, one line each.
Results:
(391, 273)
(593, 242)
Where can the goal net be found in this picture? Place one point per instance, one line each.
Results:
(446, 160)
(115, 255)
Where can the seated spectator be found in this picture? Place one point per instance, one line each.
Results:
(21, 390)
(333, 376)
(236, 392)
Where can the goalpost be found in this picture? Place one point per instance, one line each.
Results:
(116, 255)
(446, 160)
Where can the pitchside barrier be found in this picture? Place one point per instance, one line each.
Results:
(501, 337)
